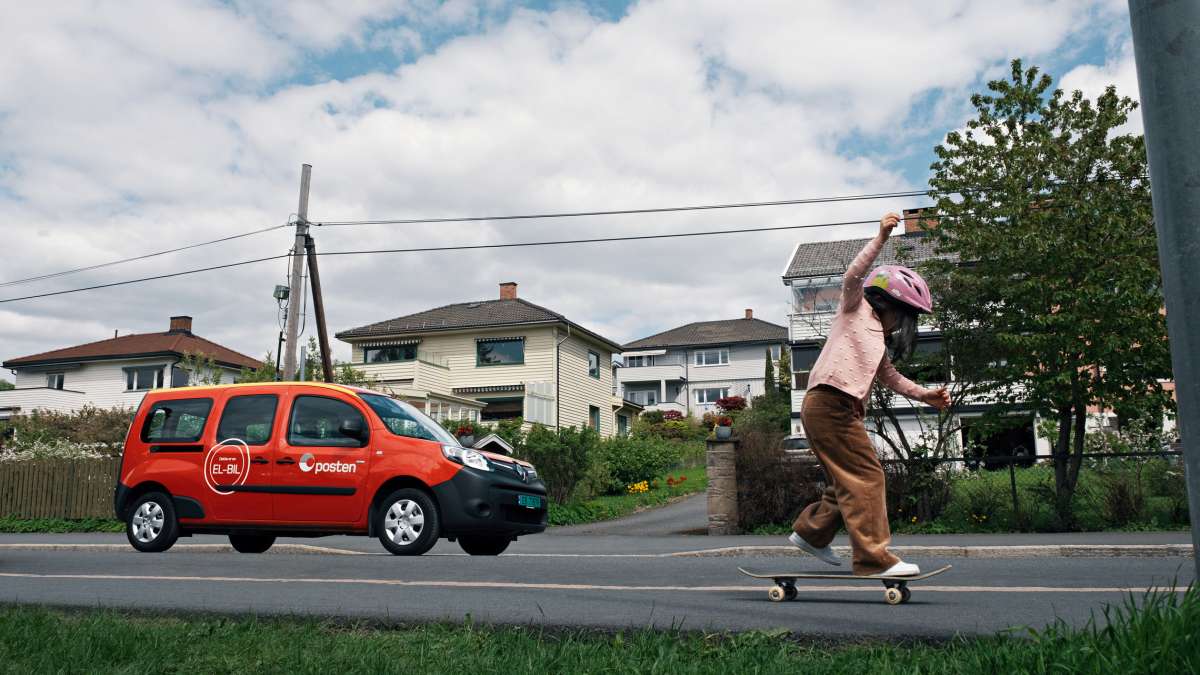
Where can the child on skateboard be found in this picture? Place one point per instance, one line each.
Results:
(875, 325)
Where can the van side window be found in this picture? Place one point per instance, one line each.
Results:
(248, 418)
(317, 420)
(176, 421)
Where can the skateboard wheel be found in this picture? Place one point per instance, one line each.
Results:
(893, 596)
(777, 594)
(905, 594)
(790, 592)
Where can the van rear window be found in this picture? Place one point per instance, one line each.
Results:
(176, 421)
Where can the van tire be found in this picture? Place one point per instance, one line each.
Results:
(484, 544)
(413, 519)
(251, 543)
(150, 525)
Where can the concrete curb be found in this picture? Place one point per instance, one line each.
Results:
(1052, 551)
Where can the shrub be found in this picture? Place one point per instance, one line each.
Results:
(916, 488)
(773, 485)
(632, 460)
(562, 457)
(767, 414)
(671, 415)
(683, 429)
(97, 427)
(57, 449)
(731, 404)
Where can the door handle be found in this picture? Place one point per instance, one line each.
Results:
(285, 460)
(260, 460)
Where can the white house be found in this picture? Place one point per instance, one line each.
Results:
(689, 368)
(491, 360)
(115, 372)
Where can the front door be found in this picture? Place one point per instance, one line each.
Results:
(321, 468)
(238, 463)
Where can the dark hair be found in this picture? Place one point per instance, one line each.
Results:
(902, 338)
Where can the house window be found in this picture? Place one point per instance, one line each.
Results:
(712, 357)
(594, 365)
(594, 417)
(389, 354)
(55, 380)
(816, 298)
(643, 397)
(177, 421)
(639, 361)
(508, 351)
(622, 425)
(711, 394)
(800, 380)
(248, 418)
(775, 352)
(142, 379)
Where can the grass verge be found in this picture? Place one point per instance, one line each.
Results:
(1158, 633)
(608, 507)
(59, 525)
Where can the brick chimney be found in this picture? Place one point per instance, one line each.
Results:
(749, 313)
(508, 290)
(920, 220)
(181, 324)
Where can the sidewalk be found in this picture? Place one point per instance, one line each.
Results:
(1071, 544)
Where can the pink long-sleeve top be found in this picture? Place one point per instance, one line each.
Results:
(855, 353)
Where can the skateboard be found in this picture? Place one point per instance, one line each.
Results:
(895, 588)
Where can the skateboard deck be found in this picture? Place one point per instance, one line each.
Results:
(895, 588)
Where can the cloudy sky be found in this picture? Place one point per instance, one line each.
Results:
(132, 127)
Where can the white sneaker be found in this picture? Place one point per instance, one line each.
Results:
(825, 554)
(901, 569)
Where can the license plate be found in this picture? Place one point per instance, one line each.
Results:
(530, 501)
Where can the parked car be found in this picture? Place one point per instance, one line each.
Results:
(794, 442)
(257, 461)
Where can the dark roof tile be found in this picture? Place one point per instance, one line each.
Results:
(135, 344)
(725, 332)
(823, 258)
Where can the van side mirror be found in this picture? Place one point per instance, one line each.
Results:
(353, 428)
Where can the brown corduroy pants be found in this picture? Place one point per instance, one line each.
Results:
(855, 494)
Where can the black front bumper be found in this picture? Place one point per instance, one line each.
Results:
(486, 502)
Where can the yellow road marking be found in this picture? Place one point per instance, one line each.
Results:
(566, 587)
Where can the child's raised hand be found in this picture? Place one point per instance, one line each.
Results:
(887, 224)
(938, 398)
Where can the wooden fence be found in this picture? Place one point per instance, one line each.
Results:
(58, 488)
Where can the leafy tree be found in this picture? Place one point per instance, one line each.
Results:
(785, 372)
(201, 369)
(1057, 293)
(770, 384)
(265, 372)
(5, 385)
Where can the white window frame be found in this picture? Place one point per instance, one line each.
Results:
(723, 391)
(138, 385)
(776, 352)
(55, 380)
(700, 357)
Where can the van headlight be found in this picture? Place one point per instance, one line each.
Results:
(466, 457)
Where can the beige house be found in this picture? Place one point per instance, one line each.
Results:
(492, 360)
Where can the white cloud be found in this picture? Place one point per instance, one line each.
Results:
(141, 127)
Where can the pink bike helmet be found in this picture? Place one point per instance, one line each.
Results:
(902, 284)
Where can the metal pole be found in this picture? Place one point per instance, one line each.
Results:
(1166, 47)
(278, 354)
(303, 364)
(314, 280)
(294, 280)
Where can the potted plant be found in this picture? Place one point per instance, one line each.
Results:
(465, 434)
(724, 428)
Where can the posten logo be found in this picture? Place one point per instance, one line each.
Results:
(308, 464)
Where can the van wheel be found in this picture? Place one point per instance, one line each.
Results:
(407, 522)
(483, 544)
(151, 525)
(251, 543)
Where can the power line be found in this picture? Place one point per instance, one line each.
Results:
(153, 278)
(110, 263)
(619, 212)
(461, 247)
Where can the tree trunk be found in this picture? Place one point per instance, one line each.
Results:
(1062, 492)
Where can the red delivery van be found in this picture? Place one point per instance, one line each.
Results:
(304, 459)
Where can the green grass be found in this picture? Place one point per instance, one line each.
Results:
(607, 507)
(59, 525)
(1160, 633)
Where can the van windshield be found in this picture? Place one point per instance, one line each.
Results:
(403, 419)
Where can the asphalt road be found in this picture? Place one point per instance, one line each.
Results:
(686, 516)
(610, 586)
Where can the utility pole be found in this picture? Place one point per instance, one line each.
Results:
(1166, 47)
(314, 281)
(297, 292)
